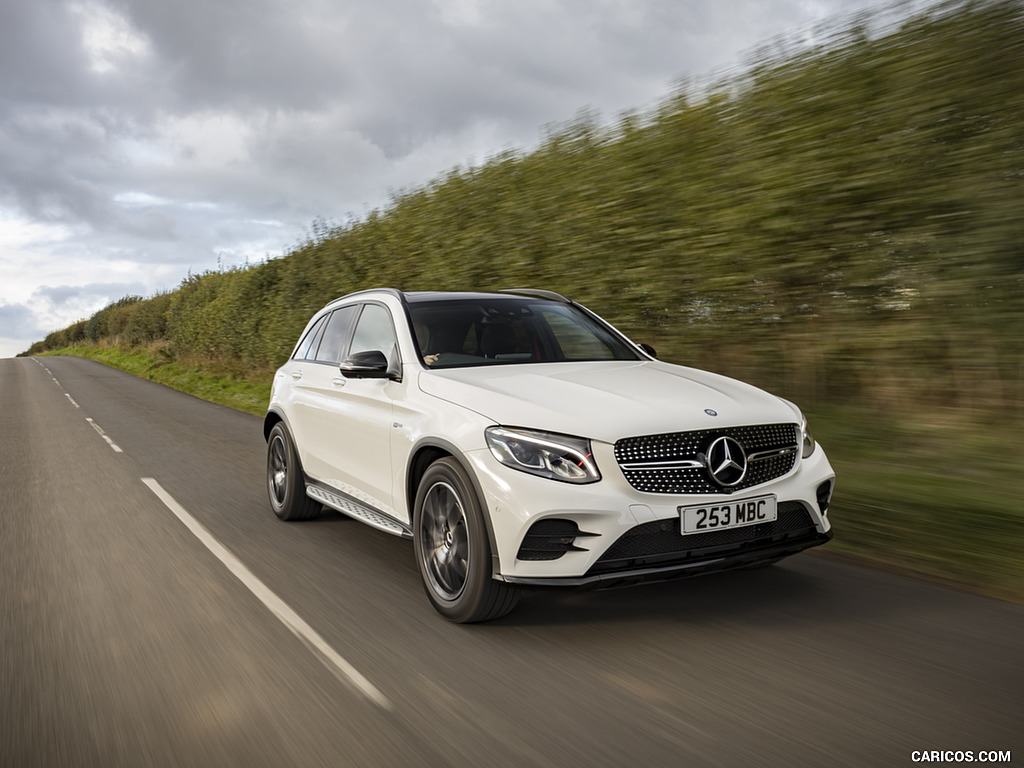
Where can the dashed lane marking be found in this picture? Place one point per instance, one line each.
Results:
(101, 433)
(114, 446)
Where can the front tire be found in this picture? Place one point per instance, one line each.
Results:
(453, 552)
(286, 485)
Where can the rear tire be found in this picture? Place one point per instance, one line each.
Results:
(286, 486)
(453, 551)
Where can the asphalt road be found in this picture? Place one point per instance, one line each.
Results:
(129, 638)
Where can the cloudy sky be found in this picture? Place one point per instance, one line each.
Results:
(142, 139)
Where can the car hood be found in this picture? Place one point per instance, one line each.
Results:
(606, 400)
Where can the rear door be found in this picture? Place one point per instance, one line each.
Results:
(312, 372)
(351, 429)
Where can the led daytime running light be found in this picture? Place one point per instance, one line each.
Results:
(808, 445)
(556, 457)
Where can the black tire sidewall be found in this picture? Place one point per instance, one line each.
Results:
(287, 509)
(466, 606)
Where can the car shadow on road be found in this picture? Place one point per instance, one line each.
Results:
(798, 590)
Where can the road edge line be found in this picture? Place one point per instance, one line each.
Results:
(330, 658)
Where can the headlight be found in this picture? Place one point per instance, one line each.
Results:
(808, 437)
(556, 457)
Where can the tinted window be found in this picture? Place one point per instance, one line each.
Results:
(336, 334)
(462, 332)
(374, 331)
(307, 349)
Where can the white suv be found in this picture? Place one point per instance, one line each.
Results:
(521, 441)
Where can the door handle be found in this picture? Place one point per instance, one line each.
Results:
(296, 375)
(338, 382)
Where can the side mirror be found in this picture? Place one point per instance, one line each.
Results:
(648, 349)
(371, 364)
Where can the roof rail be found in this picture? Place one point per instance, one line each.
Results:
(538, 293)
(393, 291)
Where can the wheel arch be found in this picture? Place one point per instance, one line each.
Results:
(273, 417)
(426, 452)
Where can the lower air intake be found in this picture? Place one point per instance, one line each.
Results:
(660, 543)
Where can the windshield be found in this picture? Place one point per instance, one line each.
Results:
(486, 331)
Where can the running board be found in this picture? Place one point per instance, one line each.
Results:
(349, 506)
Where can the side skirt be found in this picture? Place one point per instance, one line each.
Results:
(345, 504)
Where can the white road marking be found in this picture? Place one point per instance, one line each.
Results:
(58, 384)
(41, 363)
(101, 433)
(116, 448)
(330, 658)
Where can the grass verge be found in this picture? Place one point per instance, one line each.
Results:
(195, 377)
(935, 494)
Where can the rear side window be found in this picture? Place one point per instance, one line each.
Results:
(336, 335)
(307, 349)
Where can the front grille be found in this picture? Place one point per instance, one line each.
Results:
(661, 543)
(645, 461)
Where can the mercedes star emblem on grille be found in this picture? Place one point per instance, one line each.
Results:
(727, 461)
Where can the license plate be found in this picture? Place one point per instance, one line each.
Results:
(728, 514)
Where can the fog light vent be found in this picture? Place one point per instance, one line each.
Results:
(824, 494)
(551, 538)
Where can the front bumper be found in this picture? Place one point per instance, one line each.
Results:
(762, 553)
(629, 536)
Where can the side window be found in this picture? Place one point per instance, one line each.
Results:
(307, 348)
(336, 334)
(375, 331)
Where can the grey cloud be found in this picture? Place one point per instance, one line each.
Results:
(40, 53)
(18, 321)
(150, 225)
(54, 161)
(63, 295)
(242, 53)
